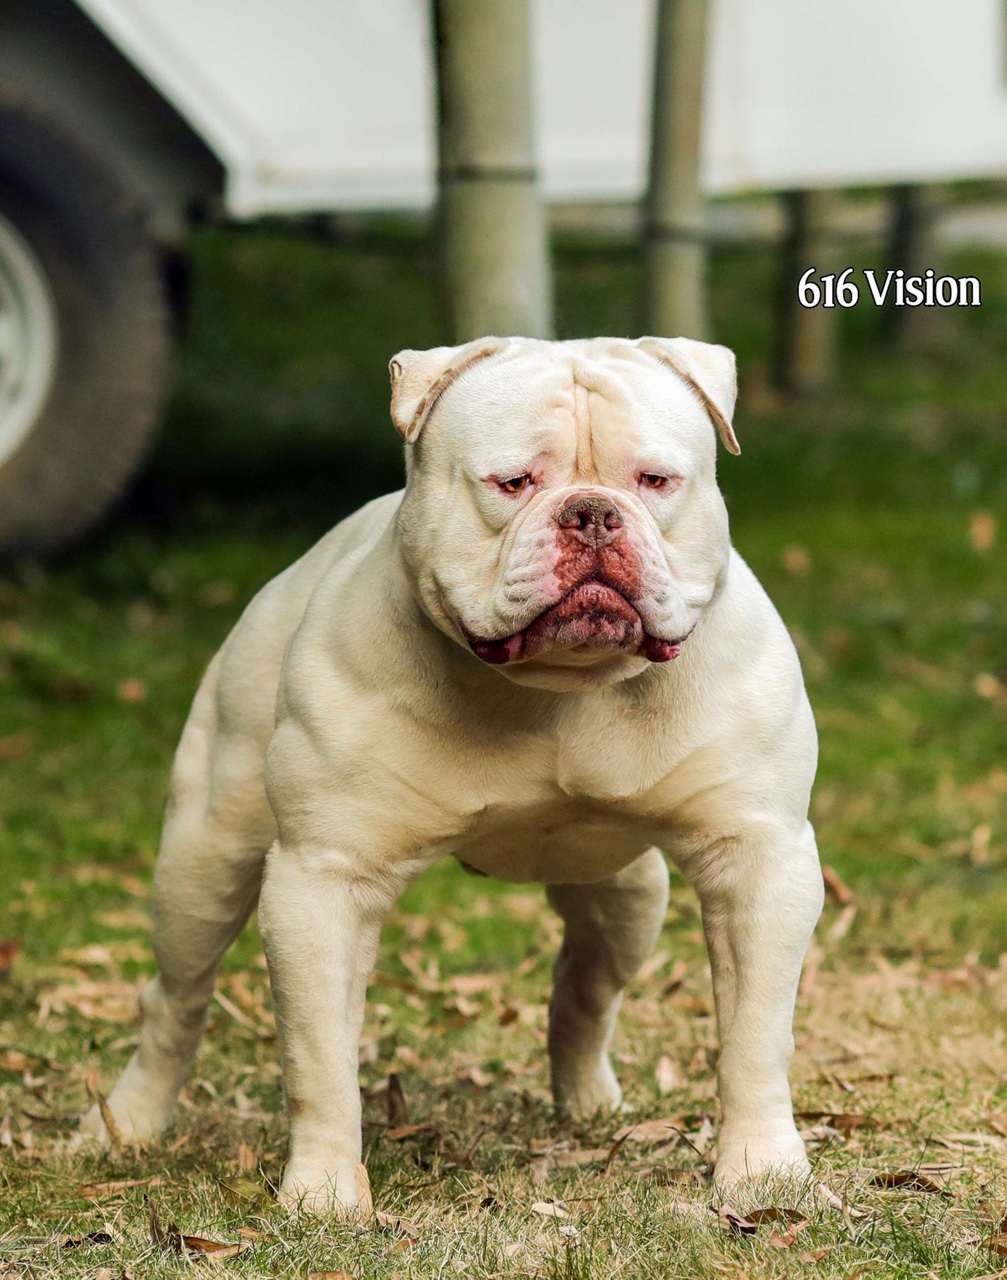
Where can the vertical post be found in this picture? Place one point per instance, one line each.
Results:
(806, 338)
(912, 221)
(494, 238)
(675, 252)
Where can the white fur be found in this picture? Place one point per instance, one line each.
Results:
(348, 696)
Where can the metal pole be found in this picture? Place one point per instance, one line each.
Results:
(675, 252)
(494, 238)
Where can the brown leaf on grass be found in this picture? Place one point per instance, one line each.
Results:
(784, 1239)
(837, 890)
(910, 1179)
(550, 1209)
(331, 1275)
(388, 1222)
(472, 984)
(651, 1130)
(396, 1107)
(972, 1140)
(668, 1075)
(776, 1214)
(10, 948)
(109, 1120)
(997, 1121)
(98, 1001)
(14, 1060)
(735, 1221)
(92, 1237)
(846, 1122)
(17, 744)
(246, 1160)
(402, 1131)
(982, 531)
(583, 1156)
(748, 1223)
(130, 690)
(654, 965)
(365, 1201)
(615, 1148)
(171, 1240)
(997, 1243)
(815, 1255)
(103, 1190)
(241, 1192)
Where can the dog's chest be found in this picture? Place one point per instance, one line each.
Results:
(582, 811)
(558, 841)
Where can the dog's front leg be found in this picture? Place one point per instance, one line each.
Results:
(761, 899)
(320, 924)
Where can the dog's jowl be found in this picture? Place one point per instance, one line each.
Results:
(543, 658)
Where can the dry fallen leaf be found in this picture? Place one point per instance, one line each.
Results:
(982, 531)
(131, 690)
(408, 1131)
(331, 1275)
(109, 1120)
(796, 560)
(171, 1240)
(845, 1122)
(997, 1243)
(550, 1209)
(102, 1190)
(815, 1255)
(17, 744)
(18, 1062)
(365, 1201)
(651, 1130)
(92, 1237)
(736, 1221)
(910, 1179)
(396, 1107)
(9, 950)
(668, 1075)
(839, 891)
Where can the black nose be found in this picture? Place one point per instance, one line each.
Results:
(592, 518)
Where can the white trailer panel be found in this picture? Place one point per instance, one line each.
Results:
(328, 104)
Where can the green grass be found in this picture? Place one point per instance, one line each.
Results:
(864, 516)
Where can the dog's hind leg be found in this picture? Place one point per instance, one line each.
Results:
(217, 829)
(611, 929)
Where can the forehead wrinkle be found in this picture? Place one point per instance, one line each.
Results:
(585, 463)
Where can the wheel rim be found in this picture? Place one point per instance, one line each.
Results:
(29, 338)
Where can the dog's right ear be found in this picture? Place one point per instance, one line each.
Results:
(420, 378)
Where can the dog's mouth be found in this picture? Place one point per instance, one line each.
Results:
(592, 615)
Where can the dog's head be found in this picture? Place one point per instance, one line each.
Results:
(561, 517)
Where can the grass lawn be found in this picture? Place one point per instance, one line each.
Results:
(877, 519)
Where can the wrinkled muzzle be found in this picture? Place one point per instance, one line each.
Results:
(594, 580)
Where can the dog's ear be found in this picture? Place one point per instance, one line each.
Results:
(711, 372)
(420, 378)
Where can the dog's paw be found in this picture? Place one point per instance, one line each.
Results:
(586, 1092)
(314, 1189)
(747, 1159)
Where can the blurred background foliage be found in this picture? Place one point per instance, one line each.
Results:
(876, 517)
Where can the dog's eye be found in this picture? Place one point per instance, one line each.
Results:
(517, 484)
(651, 480)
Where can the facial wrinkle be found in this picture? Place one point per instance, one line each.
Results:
(585, 467)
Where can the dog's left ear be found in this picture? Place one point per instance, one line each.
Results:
(711, 372)
(420, 378)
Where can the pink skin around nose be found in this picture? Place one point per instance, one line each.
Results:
(597, 574)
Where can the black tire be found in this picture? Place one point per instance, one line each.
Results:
(108, 375)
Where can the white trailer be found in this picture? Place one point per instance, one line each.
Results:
(119, 117)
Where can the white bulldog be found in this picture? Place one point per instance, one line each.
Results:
(544, 658)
